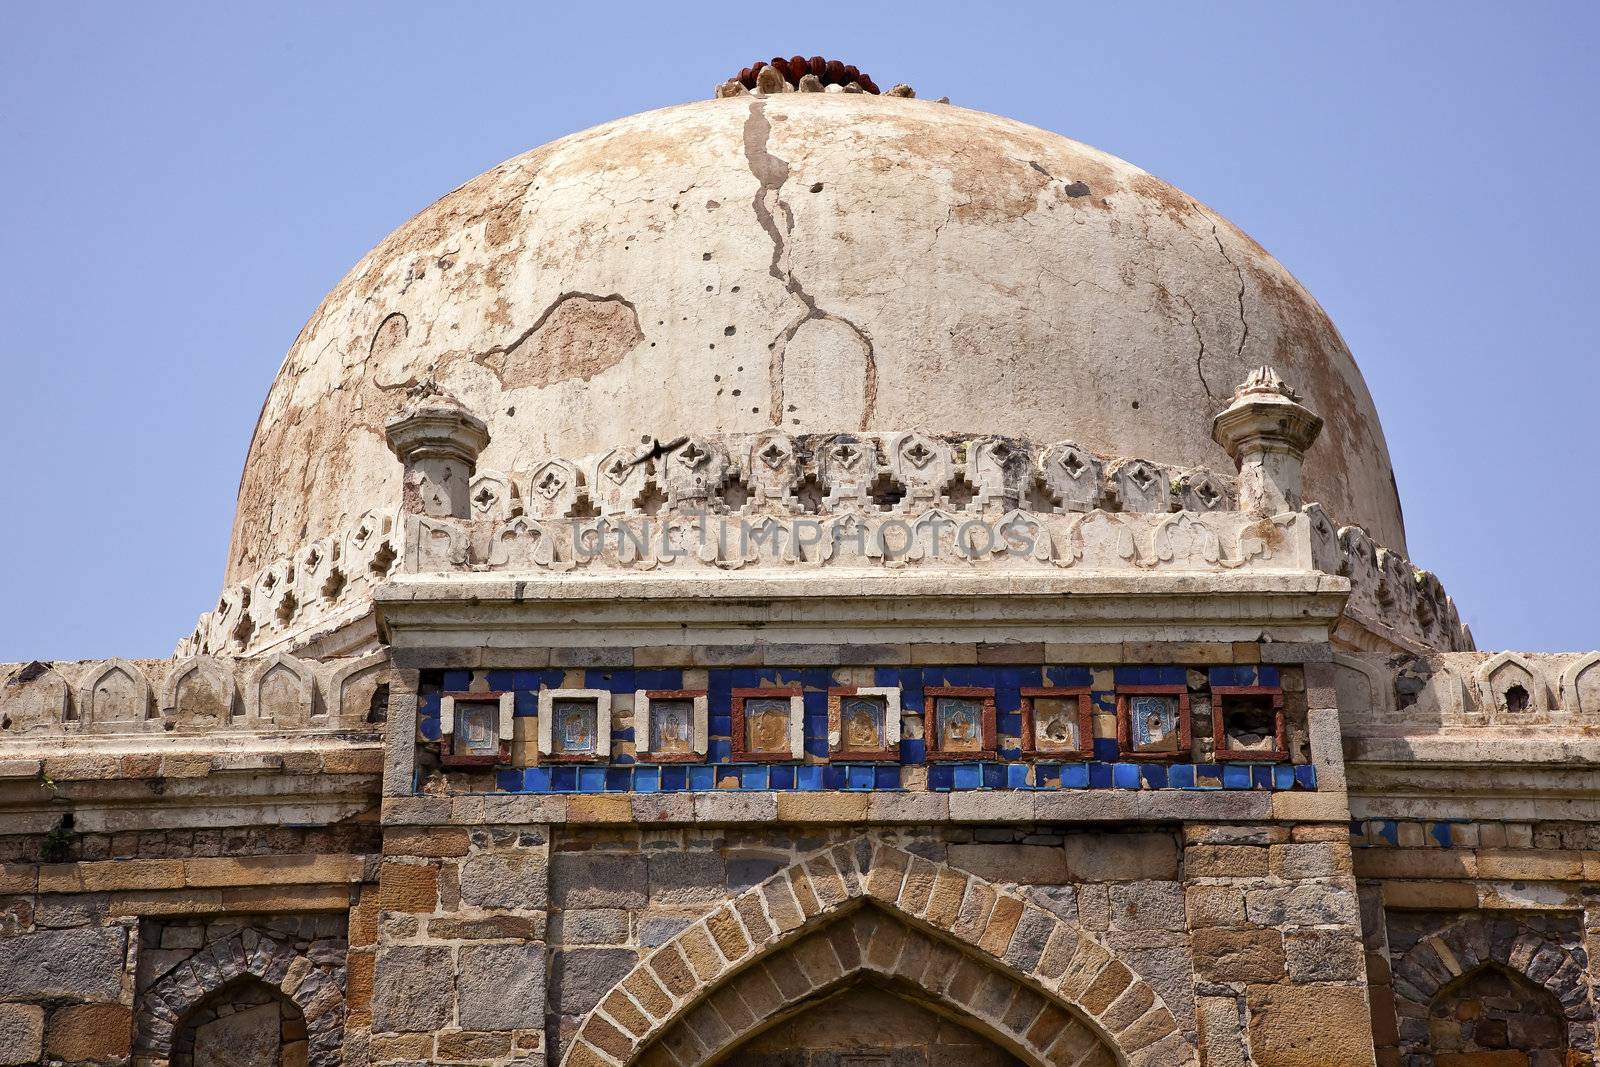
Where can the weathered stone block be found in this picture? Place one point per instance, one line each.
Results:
(21, 1034)
(501, 987)
(412, 990)
(686, 878)
(598, 880)
(594, 926)
(1324, 956)
(584, 975)
(1025, 864)
(505, 880)
(1121, 857)
(65, 964)
(1148, 905)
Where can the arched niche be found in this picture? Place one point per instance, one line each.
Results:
(247, 1023)
(1450, 959)
(116, 697)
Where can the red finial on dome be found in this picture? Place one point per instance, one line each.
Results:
(793, 68)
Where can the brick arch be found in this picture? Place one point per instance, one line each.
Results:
(1473, 943)
(996, 931)
(318, 991)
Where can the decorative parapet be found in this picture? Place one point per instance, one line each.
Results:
(731, 502)
(192, 695)
(1515, 695)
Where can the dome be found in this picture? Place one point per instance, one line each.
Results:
(817, 261)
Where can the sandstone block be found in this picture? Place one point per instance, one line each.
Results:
(21, 1034)
(89, 1032)
(1311, 859)
(411, 887)
(501, 987)
(823, 807)
(434, 842)
(1309, 1026)
(1148, 905)
(1238, 955)
(1225, 861)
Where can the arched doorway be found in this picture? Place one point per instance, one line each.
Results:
(246, 1023)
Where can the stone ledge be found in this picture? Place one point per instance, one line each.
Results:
(739, 807)
(221, 872)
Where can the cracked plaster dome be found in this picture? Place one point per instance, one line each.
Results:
(816, 261)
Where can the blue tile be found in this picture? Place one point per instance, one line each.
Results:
(719, 725)
(1440, 832)
(1105, 749)
(817, 746)
(527, 703)
(591, 779)
(1128, 675)
(674, 779)
(1075, 775)
(1153, 775)
(702, 778)
(536, 779)
(1125, 775)
(1235, 776)
(456, 681)
(1269, 676)
(658, 679)
(913, 750)
(1233, 675)
(1305, 776)
(508, 781)
(1104, 701)
(808, 776)
(1389, 830)
(1010, 749)
(619, 779)
(859, 776)
(886, 776)
(1100, 775)
(564, 779)
(1046, 774)
(941, 777)
(968, 775)
(647, 779)
(623, 733)
(1181, 776)
(755, 777)
(622, 759)
(1016, 776)
(429, 728)
(1072, 676)
(1008, 723)
(1208, 775)
(994, 775)
(782, 776)
(1261, 776)
(833, 776)
(1282, 776)
(719, 751)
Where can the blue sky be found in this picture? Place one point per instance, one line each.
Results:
(180, 185)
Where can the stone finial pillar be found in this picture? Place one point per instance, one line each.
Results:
(1267, 432)
(438, 440)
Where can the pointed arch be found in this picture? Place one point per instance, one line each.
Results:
(1469, 945)
(880, 899)
(317, 990)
